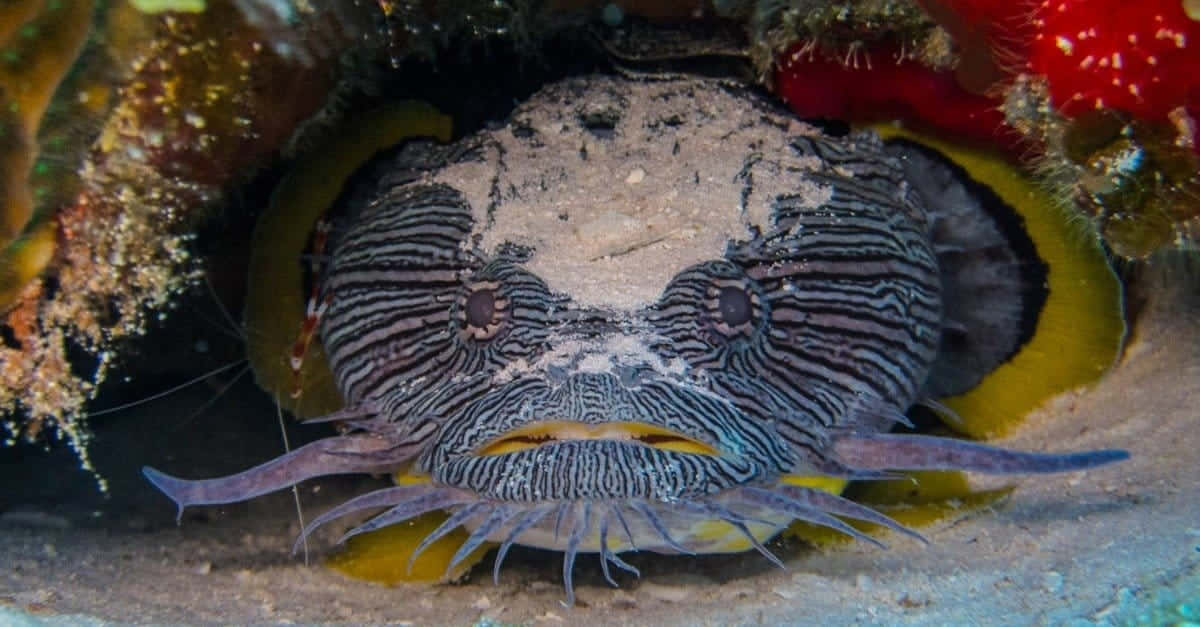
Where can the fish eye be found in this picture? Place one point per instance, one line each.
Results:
(734, 305)
(483, 310)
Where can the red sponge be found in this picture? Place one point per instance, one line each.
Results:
(884, 89)
(1142, 56)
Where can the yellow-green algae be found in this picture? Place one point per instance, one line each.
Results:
(39, 42)
(164, 6)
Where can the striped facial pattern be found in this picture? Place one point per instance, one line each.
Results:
(618, 321)
(736, 372)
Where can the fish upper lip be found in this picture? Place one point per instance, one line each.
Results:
(542, 432)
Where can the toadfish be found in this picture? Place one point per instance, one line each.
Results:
(623, 319)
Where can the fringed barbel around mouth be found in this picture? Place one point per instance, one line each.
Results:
(612, 522)
(655, 524)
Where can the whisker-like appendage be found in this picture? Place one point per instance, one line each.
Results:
(531, 518)
(869, 408)
(716, 510)
(450, 524)
(758, 546)
(801, 511)
(494, 521)
(842, 506)
(406, 501)
(578, 531)
(892, 415)
(403, 512)
(607, 555)
(623, 565)
(169, 391)
(616, 509)
(213, 399)
(659, 527)
(949, 416)
(739, 522)
(604, 552)
(562, 511)
(348, 414)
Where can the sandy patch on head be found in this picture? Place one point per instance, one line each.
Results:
(619, 186)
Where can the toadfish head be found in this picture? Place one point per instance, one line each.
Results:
(621, 320)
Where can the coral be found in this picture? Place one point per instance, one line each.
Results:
(1037, 80)
(199, 101)
(884, 87)
(1132, 178)
(23, 259)
(1121, 134)
(38, 45)
(990, 37)
(1135, 57)
(837, 30)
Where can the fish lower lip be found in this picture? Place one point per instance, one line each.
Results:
(547, 432)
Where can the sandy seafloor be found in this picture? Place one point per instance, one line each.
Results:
(1117, 545)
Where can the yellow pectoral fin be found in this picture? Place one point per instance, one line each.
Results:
(1081, 328)
(404, 477)
(382, 556)
(833, 485)
(917, 500)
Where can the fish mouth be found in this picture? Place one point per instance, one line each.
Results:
(548, 432)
